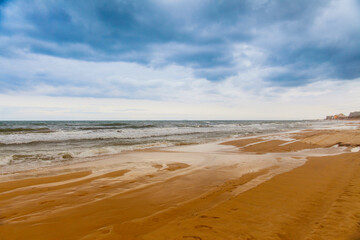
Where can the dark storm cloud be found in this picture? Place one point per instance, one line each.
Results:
(138, 31)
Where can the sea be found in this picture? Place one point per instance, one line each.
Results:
(32, 144)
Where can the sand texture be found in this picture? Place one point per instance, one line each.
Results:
(303, 185)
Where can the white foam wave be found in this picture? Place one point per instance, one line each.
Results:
(5, 160)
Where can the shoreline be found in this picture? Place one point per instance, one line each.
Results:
(70, 157)
(159, 193)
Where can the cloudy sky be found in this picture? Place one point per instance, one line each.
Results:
(179, 59)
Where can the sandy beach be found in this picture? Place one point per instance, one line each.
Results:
(295, 185)
(179, 120)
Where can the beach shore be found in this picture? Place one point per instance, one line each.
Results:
(296, 185)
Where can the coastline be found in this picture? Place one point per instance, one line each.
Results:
(23, 146)
(243, 189)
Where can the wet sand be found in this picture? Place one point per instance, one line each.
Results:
(302, 185)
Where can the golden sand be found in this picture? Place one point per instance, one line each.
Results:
(243, 197)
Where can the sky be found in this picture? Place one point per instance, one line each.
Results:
(178, 59)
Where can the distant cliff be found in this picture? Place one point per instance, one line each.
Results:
(354, 115)
(341, 116)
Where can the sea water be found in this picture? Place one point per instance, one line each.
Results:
(30, 144)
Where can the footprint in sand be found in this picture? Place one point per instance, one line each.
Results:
(233, 210)
(81, 194)
(213, 217)
(192, 237)
(45, 202)
(203, 227)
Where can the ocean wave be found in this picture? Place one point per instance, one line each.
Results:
(114, 124)
(24, 130)
(40, 142)
(117, 126)
(140, 126)
(120, 140)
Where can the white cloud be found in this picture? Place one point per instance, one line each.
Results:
(72, 89)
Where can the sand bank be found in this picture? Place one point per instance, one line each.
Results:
(302, 185)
